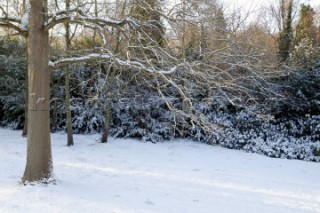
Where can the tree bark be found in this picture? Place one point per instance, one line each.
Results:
(39, 157)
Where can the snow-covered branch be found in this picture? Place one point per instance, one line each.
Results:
(13, 23)
(95, 56)
(80, 19)
(141, 66)
(74, 60)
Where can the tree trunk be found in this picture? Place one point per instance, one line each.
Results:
(110, 77)
(107, 115)
(54, 117)
(68, 110)
(25, 125)
(67, 82)
(39, 157)
(95, 30)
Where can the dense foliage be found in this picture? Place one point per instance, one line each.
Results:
(12, 82)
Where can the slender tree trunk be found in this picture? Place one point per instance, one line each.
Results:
(67, 84)
(39, 157)
(95, 30)
(183, 39)
(54, 117)
(107, 115)
(23, 6)
(68, 110)
(25, 126)
(110, 78)
(108, 108)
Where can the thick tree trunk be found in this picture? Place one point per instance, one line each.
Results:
(39, 158)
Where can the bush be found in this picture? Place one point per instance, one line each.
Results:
(12, 83)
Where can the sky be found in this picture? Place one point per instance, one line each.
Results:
(256, 3)
(254, 6)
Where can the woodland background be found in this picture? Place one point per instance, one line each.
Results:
(200, 72)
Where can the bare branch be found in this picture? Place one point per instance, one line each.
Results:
(77, 10)
(85, 20)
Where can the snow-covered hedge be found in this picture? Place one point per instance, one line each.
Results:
(293, 138)
(12, 83)
(147, 118)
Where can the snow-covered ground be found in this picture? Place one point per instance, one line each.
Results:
(180, 176)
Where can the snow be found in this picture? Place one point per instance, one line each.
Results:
(125, 175)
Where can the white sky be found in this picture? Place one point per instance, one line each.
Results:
(256, 3)
(253, 6)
